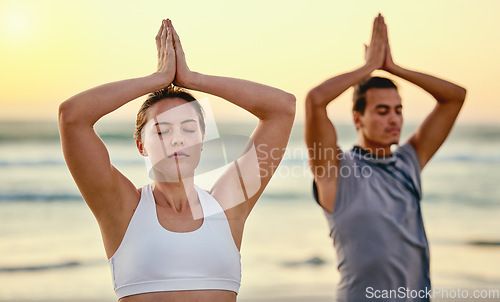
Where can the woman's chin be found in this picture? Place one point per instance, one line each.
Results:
(161, 175)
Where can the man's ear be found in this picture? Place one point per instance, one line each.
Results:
(357, 117)
(140, 147)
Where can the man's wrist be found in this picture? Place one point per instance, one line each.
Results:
(396, 70)
(369, 67)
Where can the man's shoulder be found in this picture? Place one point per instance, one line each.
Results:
(407, 154)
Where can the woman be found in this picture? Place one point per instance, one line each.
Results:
(172, 241)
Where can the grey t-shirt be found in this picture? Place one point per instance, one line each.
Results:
(377, 228)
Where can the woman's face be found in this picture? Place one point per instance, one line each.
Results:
(172, 139)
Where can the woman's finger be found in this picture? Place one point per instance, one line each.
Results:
(170, 43)
(177, 42)
(158, 37)
(163, 37)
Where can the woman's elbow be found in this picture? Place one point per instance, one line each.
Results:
(289, 106)
(67, 114)
(280, 107)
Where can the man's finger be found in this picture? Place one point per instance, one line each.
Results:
(374, 29)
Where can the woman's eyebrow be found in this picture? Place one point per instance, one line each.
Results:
(167, 123)
(162, 123)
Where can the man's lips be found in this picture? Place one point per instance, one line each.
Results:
(393, 130)
(178, 155)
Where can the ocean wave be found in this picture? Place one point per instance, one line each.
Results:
(210, 163)
(272, 195)
(282, 196)
(484, 243)
(61, 163)
(37, 197)
(31, 163)
(468, 158)
(41, 267)
(54, 137)
(312, 261)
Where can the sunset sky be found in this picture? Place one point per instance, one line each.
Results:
(53, 49)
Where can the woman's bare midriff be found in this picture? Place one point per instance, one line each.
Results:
(184, 296)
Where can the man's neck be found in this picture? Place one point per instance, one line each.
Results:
(377, 150)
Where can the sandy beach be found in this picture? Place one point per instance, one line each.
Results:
(52, 250)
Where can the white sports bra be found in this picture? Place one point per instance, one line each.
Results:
(153, 259)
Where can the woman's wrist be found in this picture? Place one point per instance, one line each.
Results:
(194, 81)
(157, 81)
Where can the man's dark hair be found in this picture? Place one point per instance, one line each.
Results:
(359, 96)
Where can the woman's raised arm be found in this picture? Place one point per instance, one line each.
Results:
(101, 184)
(246, 179)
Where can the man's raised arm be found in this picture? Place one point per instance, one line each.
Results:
(320, 135)
(450, 97)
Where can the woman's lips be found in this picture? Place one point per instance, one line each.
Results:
(178, 155)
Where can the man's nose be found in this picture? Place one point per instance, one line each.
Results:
(393, 117)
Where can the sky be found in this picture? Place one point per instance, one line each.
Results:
(53, 49)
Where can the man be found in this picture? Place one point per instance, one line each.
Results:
(371, 194)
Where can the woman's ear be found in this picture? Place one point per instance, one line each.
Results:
(140, 147)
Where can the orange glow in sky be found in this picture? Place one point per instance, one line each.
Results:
(51, 50)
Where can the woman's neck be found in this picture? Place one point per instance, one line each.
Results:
(176, 195)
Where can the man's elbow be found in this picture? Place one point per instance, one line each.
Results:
(313, 99)
(461, 93)
(455, 97)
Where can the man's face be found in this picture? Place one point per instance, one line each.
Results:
(382, 120)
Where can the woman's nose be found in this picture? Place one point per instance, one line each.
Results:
(177, 141)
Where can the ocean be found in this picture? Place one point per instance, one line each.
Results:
(51, 249)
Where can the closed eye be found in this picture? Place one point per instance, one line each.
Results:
(399, 109)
